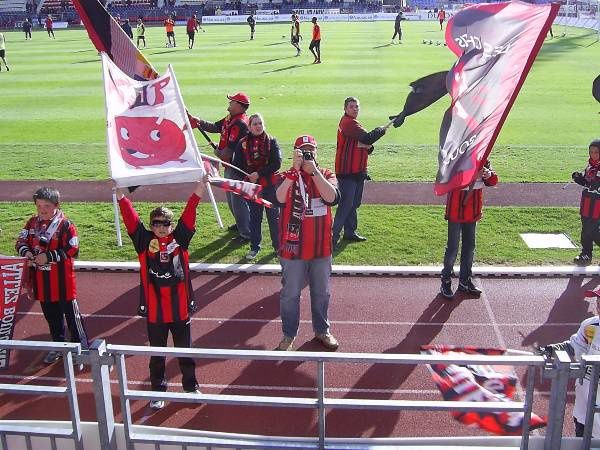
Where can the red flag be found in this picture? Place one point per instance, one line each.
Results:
(108, 36)
(245, 189)
(484, 383)
(12, 271)
(496, 44)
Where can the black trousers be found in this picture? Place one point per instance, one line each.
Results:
(56, 313)
(579, 427)
(589, 235)
(158, 333)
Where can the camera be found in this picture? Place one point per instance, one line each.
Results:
(308, 156)
(44, 240)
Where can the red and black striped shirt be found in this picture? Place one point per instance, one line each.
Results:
(350, 157)
(164, 263)
(315, 231)
(55, 280)
(465, 206)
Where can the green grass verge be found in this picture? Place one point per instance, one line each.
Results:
(398, 235)
(53, 107)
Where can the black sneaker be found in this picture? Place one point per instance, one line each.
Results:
(446, 289)
(583, 260)
(468, 287)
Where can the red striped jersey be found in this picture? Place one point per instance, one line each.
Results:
(464, 206)
(315, 230)
(55, 280)
(589, 206)
(164, 263)
(349, 157)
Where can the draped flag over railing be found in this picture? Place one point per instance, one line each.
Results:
(12, 275)
(148, 134)
(108, 37)
(496, 44)
(483, 383)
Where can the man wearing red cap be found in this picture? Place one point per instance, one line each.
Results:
(306, 194)
(585, 342)
(232, 128)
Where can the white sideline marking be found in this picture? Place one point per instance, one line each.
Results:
(432, 271)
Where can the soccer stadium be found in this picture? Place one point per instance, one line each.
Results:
(424, 277)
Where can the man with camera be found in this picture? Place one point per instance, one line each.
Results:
(306, 194)
(50, 243)
(354, 145)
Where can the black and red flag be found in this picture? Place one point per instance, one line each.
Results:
(496, 44)
(108, 36)
(480, 383)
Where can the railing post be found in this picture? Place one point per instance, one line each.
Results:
(591, 404)
(321, 402)
(558, 400)
(102, 395)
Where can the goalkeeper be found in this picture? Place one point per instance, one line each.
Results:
(585, 342)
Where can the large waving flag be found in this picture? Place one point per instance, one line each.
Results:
(12, 274)
(108, 37)
(496, 44)
(148, 134)
(484, 383)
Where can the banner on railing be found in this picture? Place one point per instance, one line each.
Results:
(480, 383)
(11, 281)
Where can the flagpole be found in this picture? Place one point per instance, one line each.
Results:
(114, 195)
(220, 161)
(195, 145)
(117, 222)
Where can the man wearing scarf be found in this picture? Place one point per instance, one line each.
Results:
(50, 243)
(306, 194)
(589, 208)
(232, 128)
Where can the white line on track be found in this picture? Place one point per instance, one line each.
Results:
(337, 322)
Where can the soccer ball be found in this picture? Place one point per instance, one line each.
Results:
(430, 42)
(437, 43)
(424, 41)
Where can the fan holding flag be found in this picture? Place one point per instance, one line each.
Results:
(463, 211)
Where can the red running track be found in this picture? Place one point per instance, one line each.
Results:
(368, 314)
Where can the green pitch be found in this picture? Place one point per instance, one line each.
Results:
(52, 104)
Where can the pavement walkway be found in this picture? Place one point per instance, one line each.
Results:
(380, 193)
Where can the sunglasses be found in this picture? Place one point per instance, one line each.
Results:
(164, 223)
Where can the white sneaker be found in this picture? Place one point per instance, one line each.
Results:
(251, 255)
(157, 404)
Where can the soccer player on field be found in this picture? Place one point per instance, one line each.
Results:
(441, 17)
(192, 27)
(252, 23)
(315, 44)
(169, 25)
(141, 33)
(3, 51)
(295, 33)
(49, 25)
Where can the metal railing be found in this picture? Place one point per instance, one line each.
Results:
(101, 357)
(69, 391)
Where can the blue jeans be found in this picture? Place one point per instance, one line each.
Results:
(294, 274)
(238, 206)
(256, 215)
(467, 251)
(351, 191)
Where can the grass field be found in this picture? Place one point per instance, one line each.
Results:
(53, 108)
(53, 127)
